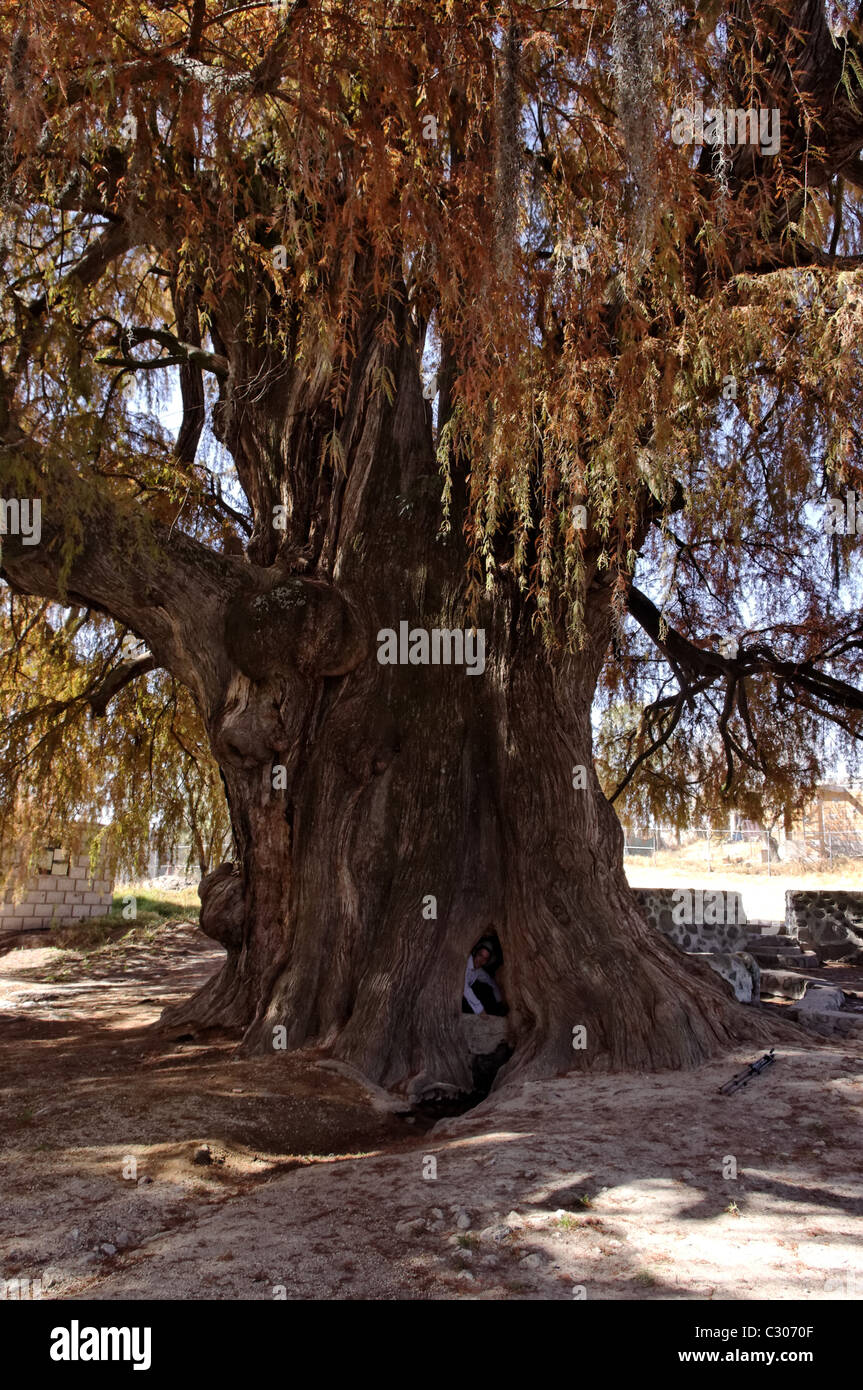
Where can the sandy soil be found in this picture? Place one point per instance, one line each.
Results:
(605, 1187)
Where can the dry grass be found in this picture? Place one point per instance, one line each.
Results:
(184, 902)
(763, 892)
(153, 909)
(817, 873)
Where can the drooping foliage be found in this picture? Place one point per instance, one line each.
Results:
(146, 770)
(646, 353)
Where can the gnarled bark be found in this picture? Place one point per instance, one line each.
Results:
(362, 792)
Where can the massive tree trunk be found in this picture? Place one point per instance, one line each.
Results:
(359, 791)
(386, 814)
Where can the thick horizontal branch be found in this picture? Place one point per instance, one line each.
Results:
(793, 255)
(179, 353)
(116, 681)
(112, 242)
(682, 653)
(750, 661)
(159, 582)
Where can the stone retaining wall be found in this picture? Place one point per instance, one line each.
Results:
(739, 968)
(708, 923)
(696, 919)
(64, 891)
(829, 920)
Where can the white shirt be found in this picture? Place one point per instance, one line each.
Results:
(471, 975)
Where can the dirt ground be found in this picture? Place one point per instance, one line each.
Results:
(617, 1187)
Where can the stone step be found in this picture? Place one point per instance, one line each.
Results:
(773, 945)
(769, 956)
(773, 938)
(846, 1024)
(783, 984)
(777, 946)
(763, 928)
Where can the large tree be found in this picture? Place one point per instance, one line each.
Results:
(239, 239)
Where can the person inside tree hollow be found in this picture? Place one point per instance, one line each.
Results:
(482, 994)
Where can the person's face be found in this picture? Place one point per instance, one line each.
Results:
(481, 957)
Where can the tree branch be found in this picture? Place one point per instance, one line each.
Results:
(653, 748)
(180, 354)
(160, 583)
(121, 676)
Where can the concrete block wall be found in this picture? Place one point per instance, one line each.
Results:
(63, 891)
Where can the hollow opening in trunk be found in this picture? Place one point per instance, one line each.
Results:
(483, 994)
(485, 1030)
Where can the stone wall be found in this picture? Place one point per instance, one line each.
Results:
(63, 891)
(829, 920)
(708, 923)
(739, 968)
(696, 919)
